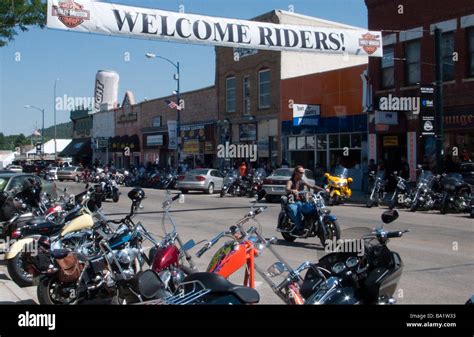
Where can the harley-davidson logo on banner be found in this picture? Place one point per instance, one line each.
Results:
(112, 19)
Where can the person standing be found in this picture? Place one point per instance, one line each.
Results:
(243, 169)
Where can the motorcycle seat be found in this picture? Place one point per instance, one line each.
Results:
(219, 284)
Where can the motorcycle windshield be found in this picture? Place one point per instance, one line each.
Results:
(341, 172)
(426, 177)
(232, 174)
(350, 242)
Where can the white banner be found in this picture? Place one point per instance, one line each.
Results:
(112, 19)
(172, 135)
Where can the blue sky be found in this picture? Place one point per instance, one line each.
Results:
(30, 64)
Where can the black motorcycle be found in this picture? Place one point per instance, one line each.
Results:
(318, 223)
(367, 277)
(236, 185)
(402, 196)
(377, 191)
(168, 180)
(427, 195)
(456, 194)
(110, 189)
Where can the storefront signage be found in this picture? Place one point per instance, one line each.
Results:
(386, 117)
(306, 114)
(459, 120)
(154, 140)
(390, 141)
(127, 21)
(191, 146)
(172, 134)
(248, 132)
(428, 123)
(192, 132)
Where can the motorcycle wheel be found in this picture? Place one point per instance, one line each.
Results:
(414, 206)
(17, 273)
(370, 203)
(116, 197)
(393, 202)
(333, 230)
(287, 236)
(443, 209)
(222, 193)
(44, 292)
(332, 201)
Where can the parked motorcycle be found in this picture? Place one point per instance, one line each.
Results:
(319, 223)
(377, 192)
(110, 189)
(256, 179)
(402, 196)
(167, 180)
(235, 185)
(338, 184)
(355, 278)
(76, 276)
(456, 194)
(427, 194)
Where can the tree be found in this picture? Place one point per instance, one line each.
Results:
(20, 140)
(19, 14)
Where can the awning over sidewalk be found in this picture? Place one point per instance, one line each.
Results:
(78, 147)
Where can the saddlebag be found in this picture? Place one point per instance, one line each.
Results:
(70, 268)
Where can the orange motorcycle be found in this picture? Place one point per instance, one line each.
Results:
(241, 252)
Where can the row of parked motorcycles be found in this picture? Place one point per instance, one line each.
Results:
(239, 186)
(447, 192)
(74, 253)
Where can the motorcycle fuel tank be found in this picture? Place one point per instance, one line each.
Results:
(165, 257)
(228, 259)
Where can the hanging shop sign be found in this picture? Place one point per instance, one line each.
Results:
(427, 111)
(390, 141)
(306, 114)
(172, 135)
(127, 21)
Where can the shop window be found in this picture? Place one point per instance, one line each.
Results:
(447, 50)
(345, 140)
(246, 95)
(334, 141)
(356, 140)
(470, 51)
(322, 142)
(413, 58)
(230, 94)
(388, 66)
(292, 143)
(301, 144)
(264, 89)
(310, 142)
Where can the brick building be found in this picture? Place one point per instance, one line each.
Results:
(340, 134)
(197, 127)
(409, 57)
(248, 85)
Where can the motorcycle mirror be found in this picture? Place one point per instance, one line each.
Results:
(233, 229)
(276, 269)
(389, 216)
(188, 245)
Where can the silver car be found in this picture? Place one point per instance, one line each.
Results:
(207, 180)
(274, 185)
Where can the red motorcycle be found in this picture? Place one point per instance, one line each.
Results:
(168, 258)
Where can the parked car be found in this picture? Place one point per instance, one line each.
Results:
(14, 168)
(207, 180)
(274, 184)
(53, 172)
(467, 172)
(11, 180)
(70, 173)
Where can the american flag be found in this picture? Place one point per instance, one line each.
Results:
(173, 105)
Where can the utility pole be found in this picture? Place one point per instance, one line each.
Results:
(439, 101)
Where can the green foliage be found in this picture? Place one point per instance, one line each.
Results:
(63, 131)
(18, 15)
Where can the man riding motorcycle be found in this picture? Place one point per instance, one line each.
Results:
(297, 208)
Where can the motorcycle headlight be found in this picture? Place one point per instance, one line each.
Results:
(341, 184)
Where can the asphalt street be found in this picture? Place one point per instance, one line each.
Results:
(438, 252)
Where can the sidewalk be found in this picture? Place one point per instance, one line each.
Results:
(10, 293)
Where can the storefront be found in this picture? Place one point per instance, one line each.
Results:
(459, 133)
(198, 144)
(321, 148)
(125, 151)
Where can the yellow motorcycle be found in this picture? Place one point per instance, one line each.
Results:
(338, 186)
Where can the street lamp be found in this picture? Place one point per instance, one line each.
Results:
(42, 127)
(55, 146)
(177, 79)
